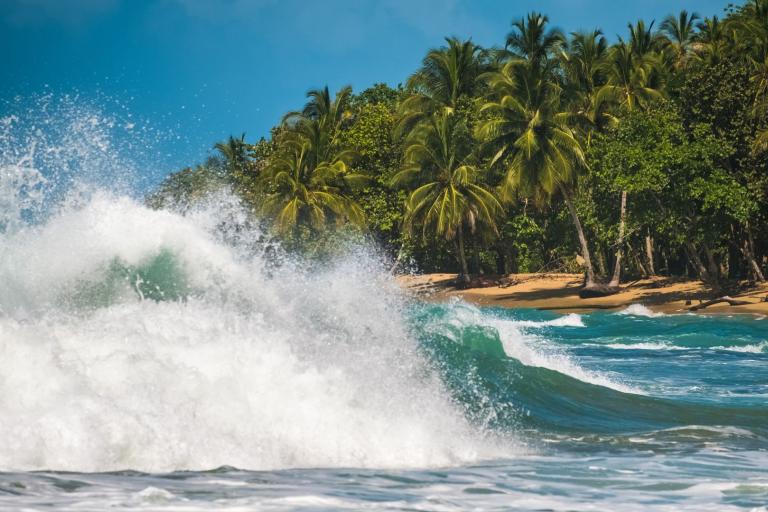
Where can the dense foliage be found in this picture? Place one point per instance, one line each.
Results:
(554, 152)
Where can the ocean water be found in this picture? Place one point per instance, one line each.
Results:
(161, 360)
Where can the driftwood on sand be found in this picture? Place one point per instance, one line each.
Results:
(730, 300)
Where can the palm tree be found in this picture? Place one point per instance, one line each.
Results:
(446, 194)
(447, 75)
(630, 68)
(530, 133)
(630, 77)
(711, 41)
(680, 30)
(321, 119)
(531, 40)
(583, 62)
(234, 152)
(304, 193)
(309, 177)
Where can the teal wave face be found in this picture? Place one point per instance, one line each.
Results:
(570, 374)
(160, 277)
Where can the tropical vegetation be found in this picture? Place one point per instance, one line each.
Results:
(644, 156)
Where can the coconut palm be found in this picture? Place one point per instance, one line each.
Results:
(234, 152)
(631, 77)
(530, 132)
(309, 177)
(584, 72)
(749, 29)
(711, 41)
(305, 193)
(632, 83)
(447, 75)
(446, 193)
(531, 40)
(680, 31)
(321, 119)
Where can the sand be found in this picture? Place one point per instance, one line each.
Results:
(559, 292)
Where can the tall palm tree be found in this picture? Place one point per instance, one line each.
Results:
(446, 193)
(531, 40)
(446, 76)
(643, 40)
(321, 119)
(630, 77)
(583, 63)
(711, 41)
(680, 31)
(530, 132)
(630, 69)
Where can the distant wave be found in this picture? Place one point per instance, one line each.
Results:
(570, 320)
(639, 310)
(758, 348)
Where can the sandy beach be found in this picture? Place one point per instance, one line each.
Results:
(560, 292)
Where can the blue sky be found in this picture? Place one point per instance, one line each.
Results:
(204, 69)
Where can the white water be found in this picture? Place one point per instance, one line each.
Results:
(254, 366)
(639, 310)
(255, 372)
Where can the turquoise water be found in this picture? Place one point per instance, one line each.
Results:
(605, 411)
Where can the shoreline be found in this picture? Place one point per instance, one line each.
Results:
(559, 292)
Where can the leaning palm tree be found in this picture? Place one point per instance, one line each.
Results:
(447, 75)
(530, 132)
(446, 193)
(631, 84)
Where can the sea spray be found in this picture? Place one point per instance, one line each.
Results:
(132, 338)
(294, 370)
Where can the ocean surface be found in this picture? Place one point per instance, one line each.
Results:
(177, 360)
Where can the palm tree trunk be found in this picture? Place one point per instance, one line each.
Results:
(620, 242)
(590, 272)
(753, 266)
(749, 254)
(714, 269)
(709, 275)
(649, 253)
(464, 277)
(601, 264)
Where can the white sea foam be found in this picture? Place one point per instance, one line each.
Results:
(639, 310)
(296, 370)
(569, 320)
(253, 365)
(641, 346)
(757, 348)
